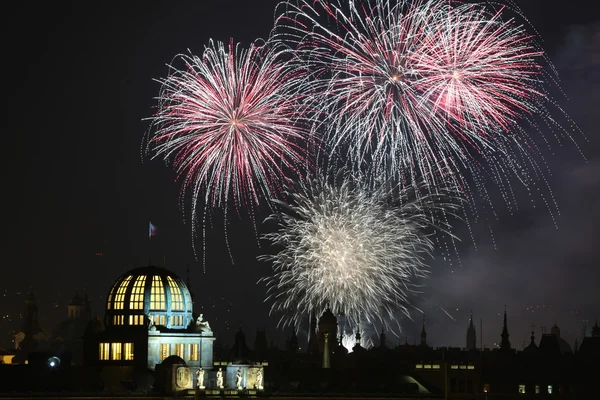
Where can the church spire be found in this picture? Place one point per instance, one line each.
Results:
(532, 346)
(423, 334)
(31, 326)
(505, 344)
(471, 335)
(357, 346)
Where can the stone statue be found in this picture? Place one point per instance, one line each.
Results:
(238, 379)
(200, 380)
(202, 325)
(259, 379)
(151, 326)
(220, 378)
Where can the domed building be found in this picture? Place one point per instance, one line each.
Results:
(327, 323)
(562, 343)
(552, 343)
(149, 317)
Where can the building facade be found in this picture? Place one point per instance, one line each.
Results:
(149, 317)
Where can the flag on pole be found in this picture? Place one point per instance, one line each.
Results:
(152, 230)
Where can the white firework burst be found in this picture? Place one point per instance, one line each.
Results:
(342, 244)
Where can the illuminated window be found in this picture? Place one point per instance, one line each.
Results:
(462, 367)
(427, 366)
(159, 320)
(419, 366)
(522, 389)
(165, 350)
(176, 296)
(136, 320)
(110, 297)
(537, 389)
(116, 351)
(128, 351)
(470, 367)
(436, 366)
(176, 320)
(179, 350)
(549, 389)
(486, 388)
(194, 352)
(118, 319)
(136, 300)
(454, 366)
(120, 296)
(157, 295)
(104, 351)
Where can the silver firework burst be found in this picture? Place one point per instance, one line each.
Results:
(343, 244)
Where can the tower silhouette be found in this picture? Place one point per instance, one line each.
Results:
(505, 344)
(471, 335)
(423, 334)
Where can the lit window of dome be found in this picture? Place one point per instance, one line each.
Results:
(120, 297)
(176, 297)
(157, 299)
(137, 294)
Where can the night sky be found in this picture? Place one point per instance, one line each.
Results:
(75, 184)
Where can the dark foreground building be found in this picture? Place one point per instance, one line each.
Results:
(149, 343)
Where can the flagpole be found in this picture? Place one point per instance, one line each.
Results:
(149, 243)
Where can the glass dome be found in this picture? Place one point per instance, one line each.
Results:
(149, 295)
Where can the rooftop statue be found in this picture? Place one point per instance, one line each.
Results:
(203, 326)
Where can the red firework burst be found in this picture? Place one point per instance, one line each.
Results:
(482, 72)
(231, 122)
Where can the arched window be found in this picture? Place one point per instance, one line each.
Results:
(176, 296)
(136, 300)
(157, 295)
(120, 297)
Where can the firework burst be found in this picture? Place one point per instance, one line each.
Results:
(480, 72)
(436, 91)
(231, 123)
(366, 79)
(342, 245)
